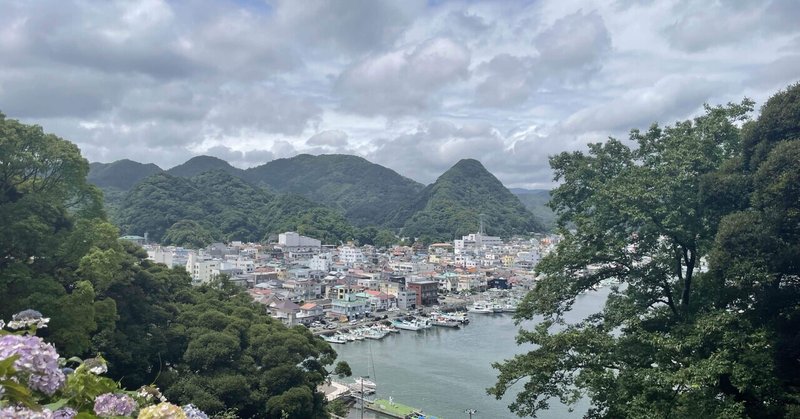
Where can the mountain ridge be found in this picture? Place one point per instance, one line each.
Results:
(367, 194)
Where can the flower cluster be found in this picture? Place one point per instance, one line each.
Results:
(65, 413)
(28, 318)
(28, 360)
(163, 410)
(148, 393)
(192, 412)
(37, 360)
(96, 366)
(110, 404)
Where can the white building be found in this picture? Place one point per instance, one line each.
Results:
(350, 255)
(202, 268)
(320, 262)
(292, 239)
(170, 255)
(474, 242)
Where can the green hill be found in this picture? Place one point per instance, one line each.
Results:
(367, 193)
(201, 164)
(216, 205)
(535, 200)
(451, 206)
(121, 174)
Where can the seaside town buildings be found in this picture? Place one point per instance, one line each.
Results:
(299, 280)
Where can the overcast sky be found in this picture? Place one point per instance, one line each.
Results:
(412, 85)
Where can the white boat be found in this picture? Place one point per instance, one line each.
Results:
(333, 339)
(367, 383)
(483, 307)
(409, 325)
(444, 322)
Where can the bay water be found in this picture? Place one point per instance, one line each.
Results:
(446, 371)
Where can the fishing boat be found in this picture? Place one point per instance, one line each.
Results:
(482, 307)
(333, 339)
(409, 324)
(444, 322)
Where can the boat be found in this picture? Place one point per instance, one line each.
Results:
(409, 325)
(333, 339)
(367, 383)
(482, 307)
(444, 322)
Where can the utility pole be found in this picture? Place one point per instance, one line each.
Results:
(362, 394)
(470, 412)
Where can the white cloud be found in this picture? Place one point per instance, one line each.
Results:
(404, 80)
(414, 85)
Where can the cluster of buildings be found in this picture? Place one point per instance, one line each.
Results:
(301, 281)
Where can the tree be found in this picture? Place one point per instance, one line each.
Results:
(669, 341)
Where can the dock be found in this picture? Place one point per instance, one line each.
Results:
(397, 410)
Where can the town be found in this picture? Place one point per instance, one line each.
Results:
(301, 281)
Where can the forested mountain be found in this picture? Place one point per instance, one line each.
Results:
(201, 164)
(216, 205)
(211, 346)
(451, 206)
(535, 200)
(121, 174)
(367, 193)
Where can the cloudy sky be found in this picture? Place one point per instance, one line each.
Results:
(412, 85)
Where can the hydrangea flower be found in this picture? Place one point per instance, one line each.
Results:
(38, 361)
(148, 393)
(18, 412)
(96, 366)
(163, 410)
(65, 413)
(192, 412)
(110, 404)
(28, 318)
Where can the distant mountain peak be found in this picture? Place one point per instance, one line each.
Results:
(199, 164)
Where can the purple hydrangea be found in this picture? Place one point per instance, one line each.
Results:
(65, 413)
(18, 412)
(192, 412)
(110, 404)
(37, 362)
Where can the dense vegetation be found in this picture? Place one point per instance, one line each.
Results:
(675, 339)
(536, 201)
(201, 164)
(211, 346)
(217, 206)
(322, 196)
(367, 193)
(451, 206)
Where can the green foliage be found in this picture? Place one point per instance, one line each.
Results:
(536, 201)
(211, 346)
(672, 340)
(233, 354)
(119, 175)
(216, 206)
(367, 193)
(342, 369)
(202, 164)
(188, 233)
(451, 207)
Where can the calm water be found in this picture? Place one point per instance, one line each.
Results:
(445, 371)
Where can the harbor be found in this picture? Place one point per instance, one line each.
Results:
(444, 371)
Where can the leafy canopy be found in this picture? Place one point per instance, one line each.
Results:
(704, 322)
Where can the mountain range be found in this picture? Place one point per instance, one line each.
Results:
(337, 188)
